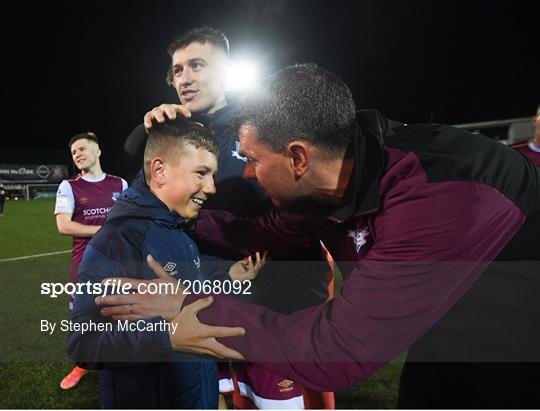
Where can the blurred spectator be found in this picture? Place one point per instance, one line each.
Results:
(531, 148)
(3, 194)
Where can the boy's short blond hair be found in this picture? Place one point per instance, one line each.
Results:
(169, 140)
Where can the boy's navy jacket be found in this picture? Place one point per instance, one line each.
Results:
(140, 224)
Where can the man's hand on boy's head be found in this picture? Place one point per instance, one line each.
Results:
(165, 303)
(165, 112)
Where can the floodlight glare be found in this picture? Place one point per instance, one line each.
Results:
(241, 76)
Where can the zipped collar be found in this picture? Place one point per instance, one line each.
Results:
(366, 148)
(139, 202)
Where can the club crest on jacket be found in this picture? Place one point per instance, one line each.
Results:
(359, 237)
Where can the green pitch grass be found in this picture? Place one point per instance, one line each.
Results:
(32, 363)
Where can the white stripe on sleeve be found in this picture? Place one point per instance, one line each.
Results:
(65, 202)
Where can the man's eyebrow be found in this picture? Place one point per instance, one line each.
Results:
(190, 61)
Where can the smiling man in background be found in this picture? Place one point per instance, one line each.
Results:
(82, 205)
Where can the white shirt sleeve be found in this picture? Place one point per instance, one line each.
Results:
(124, 184)
(65, 202)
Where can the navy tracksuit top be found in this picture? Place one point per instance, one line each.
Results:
(138, 368)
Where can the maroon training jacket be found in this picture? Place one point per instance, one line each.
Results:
(436, 236)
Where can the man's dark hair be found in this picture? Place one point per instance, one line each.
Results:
(301, 102)
(86, 135)
(203, 35)
(169, 140)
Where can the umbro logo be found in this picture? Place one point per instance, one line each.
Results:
(285, 383)
(169, 267)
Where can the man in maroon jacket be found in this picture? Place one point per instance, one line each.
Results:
(434, 228)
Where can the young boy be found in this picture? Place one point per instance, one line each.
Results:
(179, 163)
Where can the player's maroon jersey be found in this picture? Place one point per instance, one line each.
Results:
(93, 200)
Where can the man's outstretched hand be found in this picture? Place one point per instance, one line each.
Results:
(164, 112)
(191, 335)
(245, 270)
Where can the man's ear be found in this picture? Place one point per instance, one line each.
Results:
(157, 170)
(299, 157)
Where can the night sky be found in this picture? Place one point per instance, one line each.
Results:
(100, 65)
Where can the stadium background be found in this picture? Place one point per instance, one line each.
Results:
(75, 66)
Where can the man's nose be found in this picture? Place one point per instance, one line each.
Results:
(249, 171)
(186, 78)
